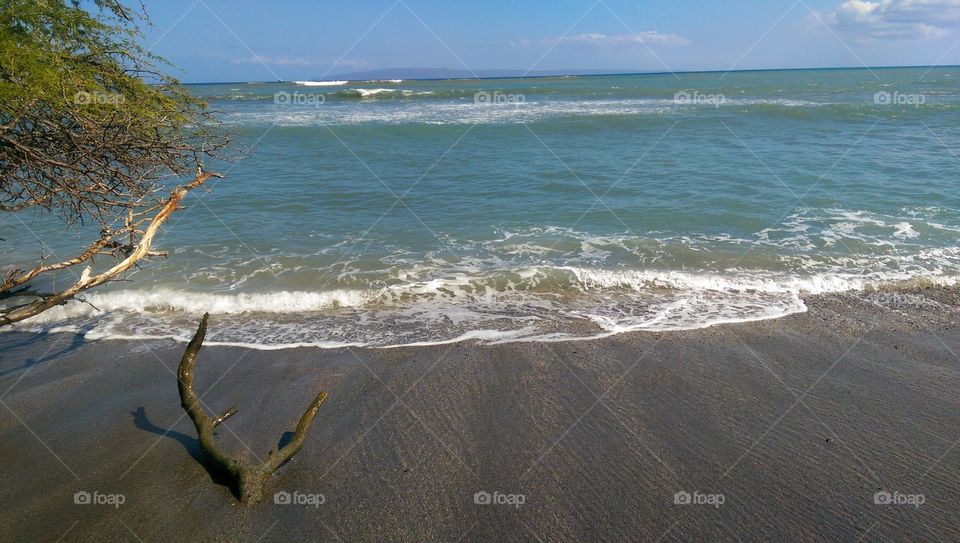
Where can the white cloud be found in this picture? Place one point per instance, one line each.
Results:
(893, 19)
(648, 38)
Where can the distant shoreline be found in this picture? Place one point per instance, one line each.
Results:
(520, 75)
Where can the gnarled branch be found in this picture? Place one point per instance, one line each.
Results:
(248, 478)
(134, 253)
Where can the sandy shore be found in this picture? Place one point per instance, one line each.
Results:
(788, 428)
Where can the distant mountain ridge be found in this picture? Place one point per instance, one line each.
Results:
(451, 73)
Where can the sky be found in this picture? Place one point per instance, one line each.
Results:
(258, 40)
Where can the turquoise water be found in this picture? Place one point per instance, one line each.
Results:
(401, 212)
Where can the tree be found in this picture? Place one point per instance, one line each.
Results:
(91, 131)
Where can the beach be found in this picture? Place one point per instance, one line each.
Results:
(777, 430)
(546, 272)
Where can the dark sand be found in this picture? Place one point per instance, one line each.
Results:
(797, 422)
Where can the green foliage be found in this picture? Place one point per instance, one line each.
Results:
(88, 122)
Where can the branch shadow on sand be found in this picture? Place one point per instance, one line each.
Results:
(190, 444)
(78, 341)
(193, 448)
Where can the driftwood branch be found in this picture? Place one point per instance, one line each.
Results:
(248, 479)
(132, 253)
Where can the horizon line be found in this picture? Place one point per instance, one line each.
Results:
(572, 73)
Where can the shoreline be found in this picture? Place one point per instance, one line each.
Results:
(572, 328)
(797, 422)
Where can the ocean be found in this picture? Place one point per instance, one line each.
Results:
(393, 213)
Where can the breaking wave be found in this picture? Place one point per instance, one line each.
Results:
(526, 304)
(321, 83)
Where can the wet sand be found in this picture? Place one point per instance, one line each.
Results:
(786, 428)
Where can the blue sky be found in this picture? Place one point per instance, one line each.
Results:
(256, 40)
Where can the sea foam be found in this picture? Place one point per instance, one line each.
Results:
(321, 83)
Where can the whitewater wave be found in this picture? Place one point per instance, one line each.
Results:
(422, 107)
(544, 283)
(321, 83)
(367, 93)
(546, 303)
(165, 299)
(439, 113)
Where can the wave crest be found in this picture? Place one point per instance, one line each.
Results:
(526, 304)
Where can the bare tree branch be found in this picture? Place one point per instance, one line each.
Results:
(134, 254)
(248, 479)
